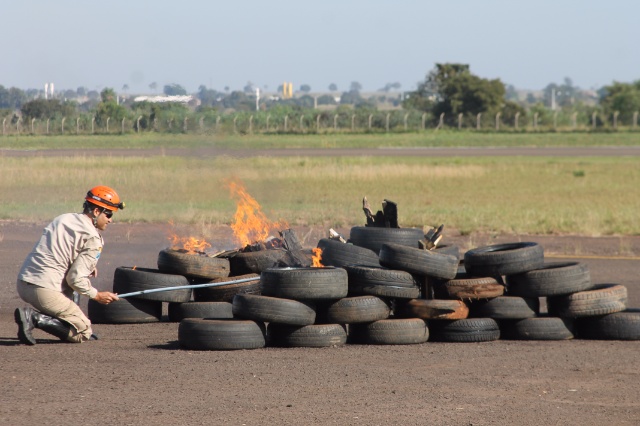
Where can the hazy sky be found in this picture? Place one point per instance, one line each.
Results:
(230, 43)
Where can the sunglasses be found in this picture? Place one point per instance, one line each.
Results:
(108, 213)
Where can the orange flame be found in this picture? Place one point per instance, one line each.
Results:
(249, 222)
(317, 258)
(190, 244)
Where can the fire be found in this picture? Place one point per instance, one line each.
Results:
(249, 222)
(190, 244)
(317, 258)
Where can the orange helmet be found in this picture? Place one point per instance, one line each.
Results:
(103, 196)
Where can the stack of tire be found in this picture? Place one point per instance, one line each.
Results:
(177, 268)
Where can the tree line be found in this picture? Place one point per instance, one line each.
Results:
(449, 95)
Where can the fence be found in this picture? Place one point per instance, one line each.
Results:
(324, 122)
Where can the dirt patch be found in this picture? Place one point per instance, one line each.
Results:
(138, 375)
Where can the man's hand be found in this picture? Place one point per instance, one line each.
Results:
(105, 297)
(94, 273)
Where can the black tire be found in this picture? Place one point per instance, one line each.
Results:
(505, 307)
(211, 310)
(471, 288)
(220, 335)
(335, 253)
(431, 309)
(255, 262)
(378, 281)
(181, 262)
(373, 238)
(308, 336)
(125, 311)
(225, 293)
(541, 328)
(551, 279)
(465, 330)
(449, 250)
(351, 310)
(129, 280)
(503, 259)
(417, 261)
(602, 299)
(272, 309)
(305, 283)
(623, 325)
(403, 331)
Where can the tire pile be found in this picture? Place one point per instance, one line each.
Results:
(379, 288)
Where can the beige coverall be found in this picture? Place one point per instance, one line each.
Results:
(61, 262)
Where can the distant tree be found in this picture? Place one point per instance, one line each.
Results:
(249, 88)
(531, 98)
(93, 95)
(69, 94)
(108, 95)
(355, 87)
(305, 88)
(565, 94)
(452, 89)
(208, 97)
(333, 87)
(511, 94)
(239, 101)
(305, 101)
(174, 89)
(81, 91)
(326, 100)
(352, 97)
(108, 107)
(125, 88)
(12, 98)
(43, 109)
(621, 97)
(226, 88)
(153, 86)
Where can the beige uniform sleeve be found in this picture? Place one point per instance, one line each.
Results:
(83, 266)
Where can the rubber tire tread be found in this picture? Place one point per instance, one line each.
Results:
(305, 283)
(552, 279)
(373, 238)
(383, 282)
(335, 253)
(418, 261)
(225, 293)
(272, 309)
(601, 300)
(503, 259)
(125, 311)
(431, 309)
(212, 310)
(308, 336)
(623, 325)
(128, 280)
(505, 307)
(465, 330)
(396, 331)
(358, 309)
(472, 288)
(540, 328)
(255, 262)
(221, 335)
(192, 265)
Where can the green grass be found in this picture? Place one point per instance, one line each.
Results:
(331, 140)
(522, 195)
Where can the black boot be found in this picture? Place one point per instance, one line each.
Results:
(28, 319)
(52, 325)
(24, 319)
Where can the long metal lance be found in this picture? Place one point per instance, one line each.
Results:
(183, 287)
